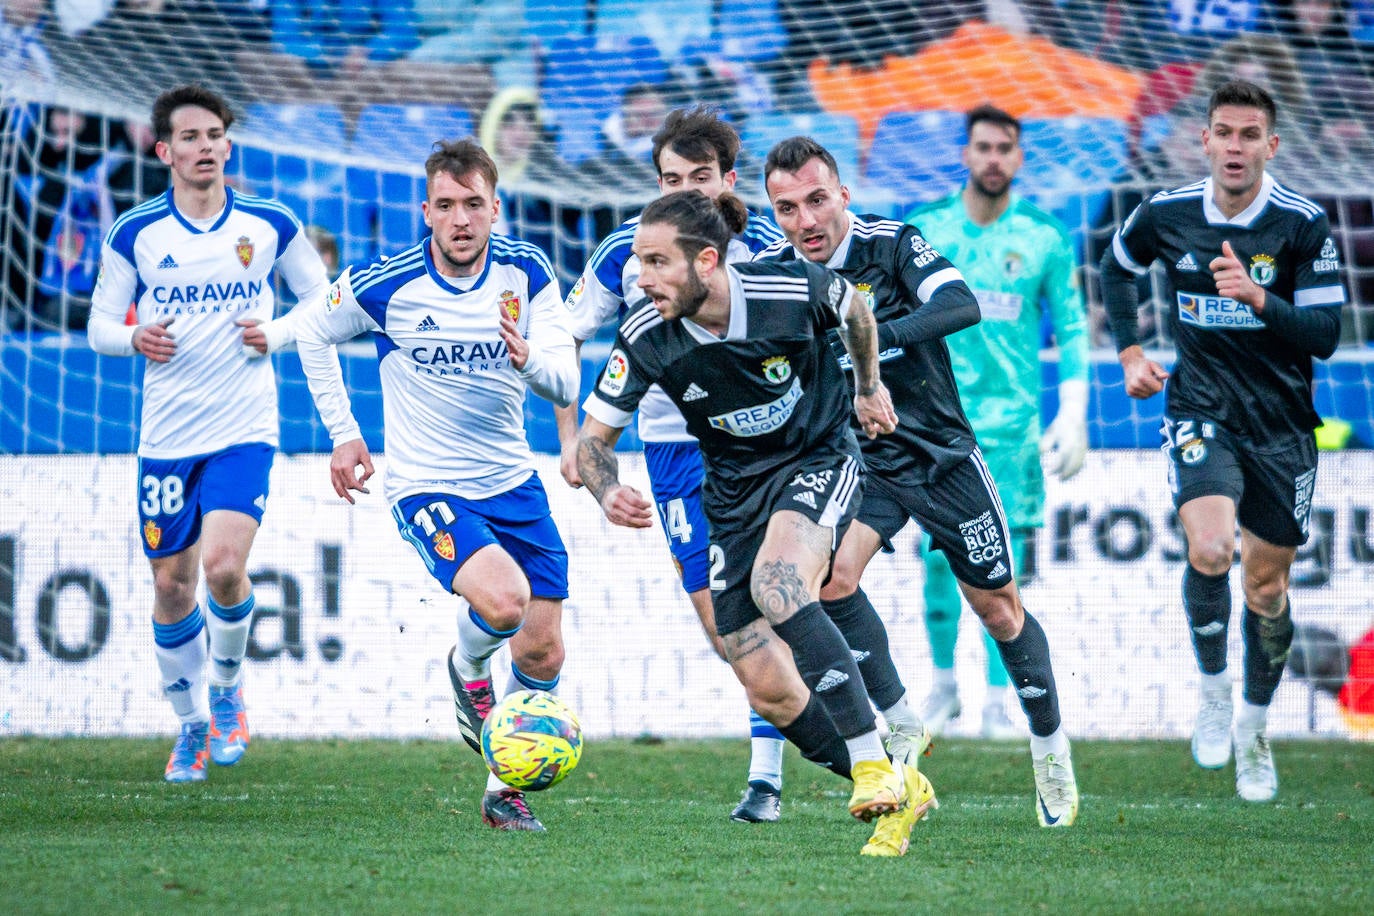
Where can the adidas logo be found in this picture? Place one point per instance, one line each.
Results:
(1209, 629)
(694, 392)
(166, 263)
(860, 655)
(831, 680)
(999, 570)
(261, 503)
(1187, 262)
(180, 685)
(1030, 692)
(807, 498)
(227, 662)
(427, 325)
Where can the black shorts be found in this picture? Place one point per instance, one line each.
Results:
(1271, 485)
(826, 489)
(960, 511)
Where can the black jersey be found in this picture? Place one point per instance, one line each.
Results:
(757, 400)
(1234, 367)
(896, 268)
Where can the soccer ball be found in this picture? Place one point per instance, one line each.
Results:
(531, 740)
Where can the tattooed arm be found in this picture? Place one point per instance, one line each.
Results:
(600, 472)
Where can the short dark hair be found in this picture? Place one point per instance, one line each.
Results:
(1245, 95)
(700, 221)
(182, 96)
(991, 114)
(698, 135)
(791, 154)
(459, 158)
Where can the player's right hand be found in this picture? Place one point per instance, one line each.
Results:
(343, 468)
(155, 341)
(1143, 376)
(627, 507)
(567, 464)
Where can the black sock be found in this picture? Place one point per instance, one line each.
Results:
(1207, 601)
(814, 735)
(1267, 640)
(861, 627)
(1027, 658)
(828, 668)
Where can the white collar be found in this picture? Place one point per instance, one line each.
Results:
(1244, 217)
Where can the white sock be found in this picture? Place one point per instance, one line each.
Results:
(477, 643)
(944, 680)
(901, 714)
(180, 649)
(867, 746)
(494, 784)
(1216, 685)
(1251, 718)
(229, 628)
(765, 752)
(1056, 744)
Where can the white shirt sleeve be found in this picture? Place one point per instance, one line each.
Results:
(319, 326)
(106, 331)
(303, 271)
(552, 370)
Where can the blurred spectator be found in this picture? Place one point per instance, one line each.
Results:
(1267, 61)
(1338, 78)
(1201, 25)
(528, 165)
(342, 38)
(327, 245)
(138, 174)
(24, 60)
(489, 32)
(627, 141)
(1128, 33)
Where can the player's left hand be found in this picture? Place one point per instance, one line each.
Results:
(875, 412)
(1064, 446)
(1233, 280)
(518, 346)
(254, 338)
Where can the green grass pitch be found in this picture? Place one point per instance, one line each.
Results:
(87, 825)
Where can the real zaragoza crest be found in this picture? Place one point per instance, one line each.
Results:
(244, 249)
(152, 534)
(443, 545)
(510, 304)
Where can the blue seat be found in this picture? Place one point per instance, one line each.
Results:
(583, 82)
(1070, 165)
(289, 174)
(916, 156)
(669, 24)
(547, 21)
(751, 30)
(837, 133)
(406, 133)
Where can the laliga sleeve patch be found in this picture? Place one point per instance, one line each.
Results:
(335, 297)
(617, 370)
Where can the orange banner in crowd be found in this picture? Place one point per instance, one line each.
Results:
(1027, 76)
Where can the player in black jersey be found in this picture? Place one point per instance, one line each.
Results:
(1255, 278)
(742, 350)
(930, 469)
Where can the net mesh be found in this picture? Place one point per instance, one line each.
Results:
(339, 103)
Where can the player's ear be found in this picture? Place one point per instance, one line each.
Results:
(424, 210)
(164, 152)
(707, 260)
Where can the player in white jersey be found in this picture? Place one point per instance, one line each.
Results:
(196, 263)
(464, 321)
(694, 149)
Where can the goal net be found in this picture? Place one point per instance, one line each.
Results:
(337, 112)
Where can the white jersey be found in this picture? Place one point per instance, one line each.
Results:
(213, 393)
(452, 403)
(608, 288)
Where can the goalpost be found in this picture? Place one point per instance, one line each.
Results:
(351, 632)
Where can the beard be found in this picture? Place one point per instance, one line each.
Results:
(982, 187)
(693, 294)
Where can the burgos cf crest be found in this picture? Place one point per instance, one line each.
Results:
(244, 249)
(152, 534)
(867, 292)
(443, 545)
(1262, 269)
(777, 369)
(510, 304)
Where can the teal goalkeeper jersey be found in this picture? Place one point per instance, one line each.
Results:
(1017, 267)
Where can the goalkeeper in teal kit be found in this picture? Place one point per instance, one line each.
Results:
(1018, 262)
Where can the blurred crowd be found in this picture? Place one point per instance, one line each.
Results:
(523, 71)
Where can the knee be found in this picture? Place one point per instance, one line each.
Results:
(502, 610)
(1000, 613)
(1267, 596)
(174, 591)
(225, 574)
(1211, 554)
(843, 582)
(540, 659)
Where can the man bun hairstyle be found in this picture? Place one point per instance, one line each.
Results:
(700, 221)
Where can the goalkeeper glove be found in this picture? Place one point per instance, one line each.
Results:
(1065, 443)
